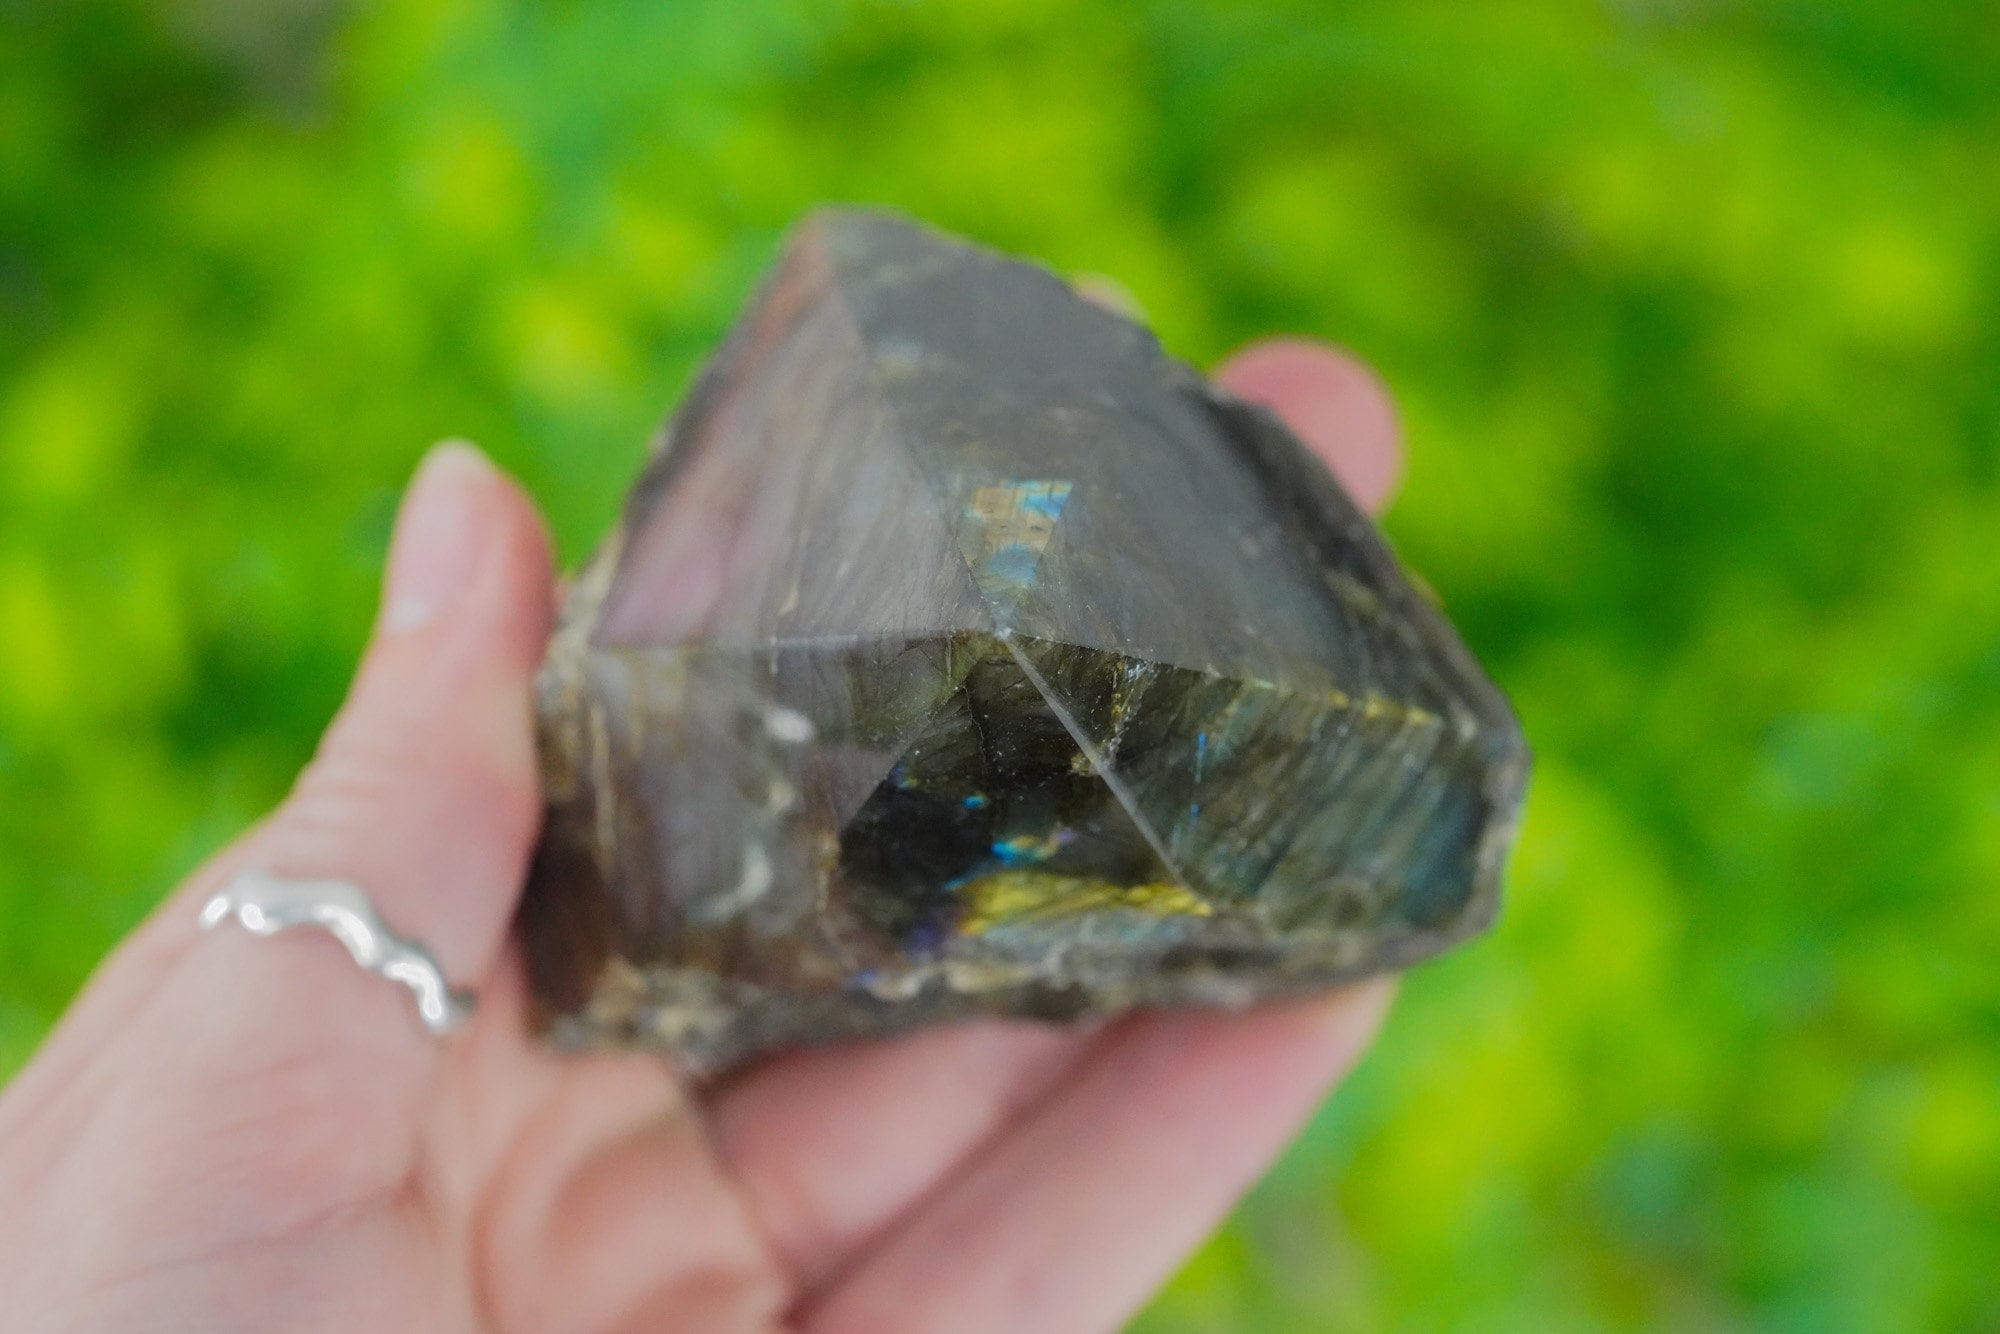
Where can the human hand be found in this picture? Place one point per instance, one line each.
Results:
(227, 1133)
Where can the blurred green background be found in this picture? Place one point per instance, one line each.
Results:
(1690, 307)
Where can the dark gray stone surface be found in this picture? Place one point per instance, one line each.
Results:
(959, 652)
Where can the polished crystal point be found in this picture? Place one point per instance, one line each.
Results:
(959, 652)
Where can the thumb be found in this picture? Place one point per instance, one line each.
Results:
(424, 795)
(210, 1090)
(423, 791)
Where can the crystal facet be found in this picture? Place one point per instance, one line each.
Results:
(959, 652)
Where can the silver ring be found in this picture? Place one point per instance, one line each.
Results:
(265, 904)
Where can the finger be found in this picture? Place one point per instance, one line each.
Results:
(435, 717)
(1332, 402)
(1071, 1219)
(832, 1146)
(609, 1211)
(830, 1143)
(438, 704)
(275, 1073)
(424, 790)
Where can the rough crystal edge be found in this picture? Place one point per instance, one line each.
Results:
(712, 1026)
(629, 1011)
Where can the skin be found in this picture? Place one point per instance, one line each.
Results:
(229, 1133)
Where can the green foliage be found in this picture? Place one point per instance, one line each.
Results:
(1690, 309)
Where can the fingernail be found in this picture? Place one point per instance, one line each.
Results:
(438, 541)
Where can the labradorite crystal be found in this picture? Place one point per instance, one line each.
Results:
(959, 652)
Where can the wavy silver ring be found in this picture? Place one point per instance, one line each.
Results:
(265, 904)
